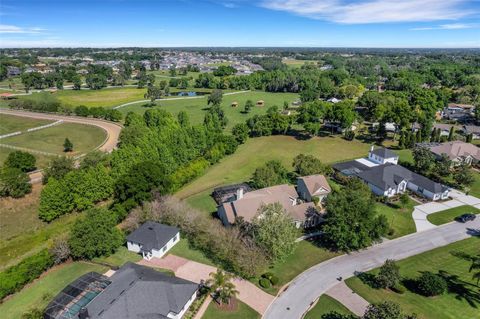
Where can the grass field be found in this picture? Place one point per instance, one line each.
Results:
(240, 166)
(183, 249)
(196, 108)
(242, 312)
(84, 138)
(452, 305)
(107, 97)
(42, 160)
(296, 63)
(306, 255)
(324, 305)
(11, 123)
(41, 291)
(400, 219)
(447, 216)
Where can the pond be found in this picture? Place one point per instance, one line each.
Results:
(188, 93)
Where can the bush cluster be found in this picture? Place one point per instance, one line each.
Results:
(268, 279)
(99, 112)
(430, 284)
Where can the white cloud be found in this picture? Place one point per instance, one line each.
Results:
(5, 28)
(372, 11)
(452, 26)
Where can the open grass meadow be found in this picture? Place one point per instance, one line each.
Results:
(39, 293)
(11, 123)
(324, 305)
(107, 97)
(448, 215)
(197, 107)
(399, 218)
(462, 300)
(293, 63)
(243, 311)
(85, 138)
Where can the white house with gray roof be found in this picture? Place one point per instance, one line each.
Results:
(153, 240)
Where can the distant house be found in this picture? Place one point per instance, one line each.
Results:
(472, 129)
(457, 151)
(246, 206)
(132, 292)
(153, 240)
(334, 100)
(458, 112)
(444, 128)
(312, 186)
(13, 71)
(385, 177)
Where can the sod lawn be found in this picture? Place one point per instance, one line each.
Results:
(448, 215)
(242, 312)
(196, 108)
(39, 293)
(11, 123)
(463, 298)
(85, 138)
(324, 305)
(107, 97)
(183, 249)
(399, 219)
(306, 254)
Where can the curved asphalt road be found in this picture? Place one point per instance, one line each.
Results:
(112, 129)
(308, 286)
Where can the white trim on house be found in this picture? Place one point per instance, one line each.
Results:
(157, 253)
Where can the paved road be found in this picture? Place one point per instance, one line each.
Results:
(309, 285)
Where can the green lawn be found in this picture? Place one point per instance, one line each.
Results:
(242, 312)
(84, 138)
(41, 291)
(306, 255)
(120, 257)
(103, 97)
(11, 123)
(400, 219)
(240, 166)
(448, 215)
(324, 305)
(293, 63)
(452, 305)
(183, 249)
(405, 155)
(42, 160)
(196, 108)
(475, 188)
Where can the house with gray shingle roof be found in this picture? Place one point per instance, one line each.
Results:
(153, 239)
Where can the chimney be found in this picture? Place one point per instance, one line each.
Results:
(83, 313)
(239, 193)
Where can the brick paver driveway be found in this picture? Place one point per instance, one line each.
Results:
(194, 271)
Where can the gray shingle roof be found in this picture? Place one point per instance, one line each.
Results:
(141, 292)
(384, 152)
(350, 168)
(153, 235)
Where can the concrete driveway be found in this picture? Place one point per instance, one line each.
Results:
(421, 212)
(308, 286)
(196, 272)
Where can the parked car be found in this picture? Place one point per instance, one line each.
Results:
(465, 218)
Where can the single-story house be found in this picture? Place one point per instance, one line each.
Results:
(132, 292)
(444, 128)
(312, 186)
(385, 177)
(246, 206)
(153, 239)
(472, 129)
(457, 151)
(458, 112)
(229, 193)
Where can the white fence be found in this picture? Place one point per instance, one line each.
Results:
(10, 134)
(44, 126)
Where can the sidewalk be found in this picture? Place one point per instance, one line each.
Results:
(194, 271)
(347, 297)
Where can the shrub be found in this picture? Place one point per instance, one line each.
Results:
(267, 275)
(389, 274)
(274, 280)
(14, 183)
(14, 278)
(21, 160)
(399, 289)
(264, 283)
(430, 284)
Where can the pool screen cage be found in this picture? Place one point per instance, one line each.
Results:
(67, 304)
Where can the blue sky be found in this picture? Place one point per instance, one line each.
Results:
(311, 23)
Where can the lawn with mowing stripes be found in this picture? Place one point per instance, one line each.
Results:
(399, 218)
(448, 215)
(242, 312)
(461, 302)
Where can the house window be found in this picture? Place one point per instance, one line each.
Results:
(175, 238)
(420, 190)
(164, 248)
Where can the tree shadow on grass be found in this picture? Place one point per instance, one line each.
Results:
(463, 290)
(368, 279)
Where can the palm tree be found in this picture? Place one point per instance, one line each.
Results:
(476, 266)
(221, 285)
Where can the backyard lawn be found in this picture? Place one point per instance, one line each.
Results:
(11, 123)
(120, 257)
(475, 188)
(41, 291)
(306, 255)
(240, 166)
(183, 249)
(242, 312)
(400, 219)
(84, 138)
(196, 108)
(448, 215)
(107, 97)
(461, 302)
(324, 305)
